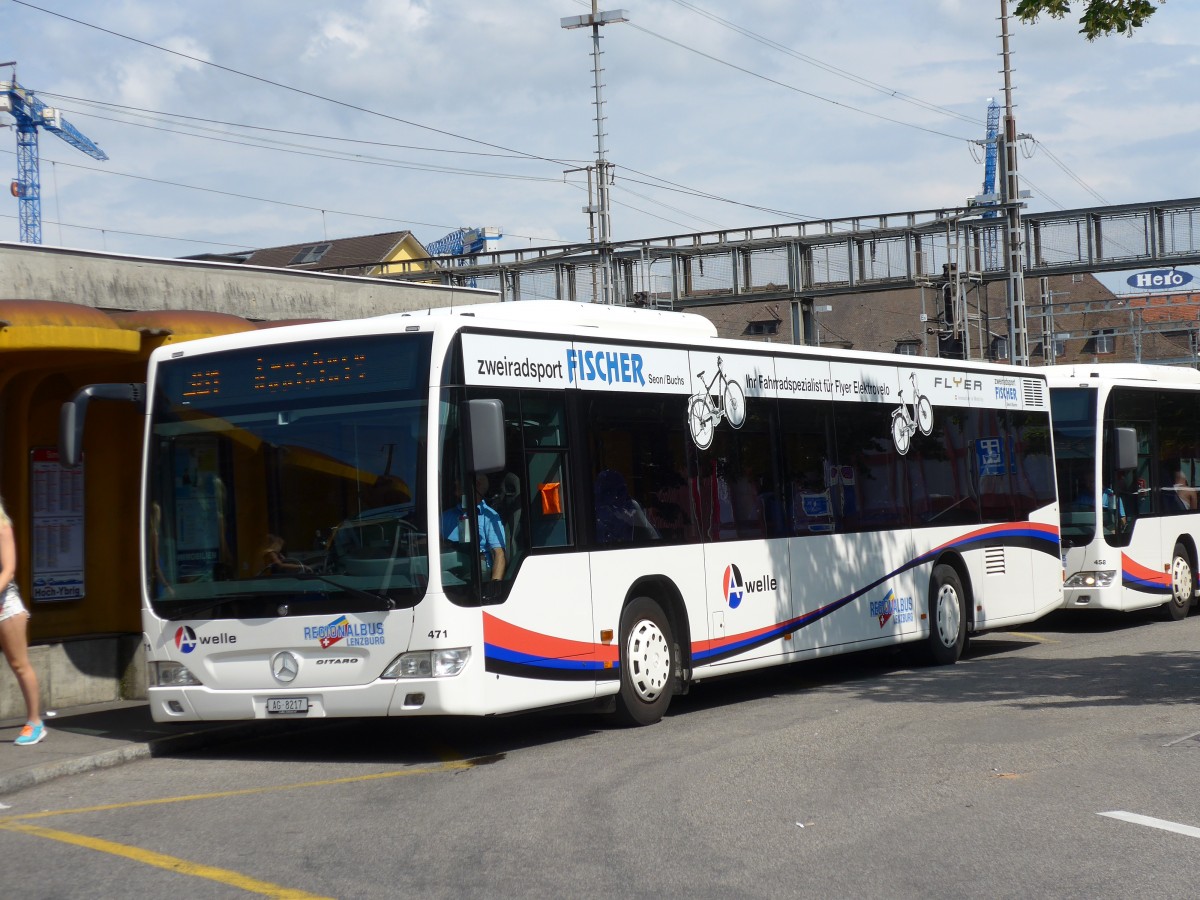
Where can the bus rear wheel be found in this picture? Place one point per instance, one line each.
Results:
(1183, 584)
(947, 617)
(648, 663)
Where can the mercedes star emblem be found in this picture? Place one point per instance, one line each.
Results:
(285, 667)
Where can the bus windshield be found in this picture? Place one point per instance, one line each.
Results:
(288, 479)
(1073, 411)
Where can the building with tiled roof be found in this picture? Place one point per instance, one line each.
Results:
(366, 255)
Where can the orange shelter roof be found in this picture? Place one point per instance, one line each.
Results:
(54, 325)
(175, 325)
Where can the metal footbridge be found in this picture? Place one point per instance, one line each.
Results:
(806, 260)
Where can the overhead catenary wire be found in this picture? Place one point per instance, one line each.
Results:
(798, 90)
(288, 203)
(843, 73)
(321, 153)
(158, 237)
(161, 115)
(634, 208)
(270, 144)
(287, 87)
(1058, 162)
(828, 67)
(445, 132)
(658, 184)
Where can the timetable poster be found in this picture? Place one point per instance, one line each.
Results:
(57, 507)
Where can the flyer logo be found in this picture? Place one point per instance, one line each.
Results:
(185, 639)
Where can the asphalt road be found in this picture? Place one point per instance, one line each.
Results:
(853, 777)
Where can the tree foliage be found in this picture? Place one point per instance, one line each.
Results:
(1099, 16)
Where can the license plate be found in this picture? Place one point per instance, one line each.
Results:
(287, 705)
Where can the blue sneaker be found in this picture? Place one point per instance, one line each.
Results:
(31, 734)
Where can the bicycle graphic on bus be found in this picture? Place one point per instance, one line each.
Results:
(905, 424)
(719, 399)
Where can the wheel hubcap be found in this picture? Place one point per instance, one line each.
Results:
(1181, 581)
(649, 660)
(948, 621)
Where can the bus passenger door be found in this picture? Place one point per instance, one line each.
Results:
(749, 603)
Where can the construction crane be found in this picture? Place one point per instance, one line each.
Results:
(989, 197)
(31, 114)
(463, 242)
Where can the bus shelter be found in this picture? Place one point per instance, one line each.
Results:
(77, 529)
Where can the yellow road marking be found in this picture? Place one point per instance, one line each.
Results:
(162, 861)
(448, 766)
(1032, 637)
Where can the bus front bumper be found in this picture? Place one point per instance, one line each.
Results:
(1093, 597)
(406, 697)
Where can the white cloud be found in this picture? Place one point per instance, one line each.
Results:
(338, 37)
(149, 79)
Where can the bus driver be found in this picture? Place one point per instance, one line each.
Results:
(491, 529)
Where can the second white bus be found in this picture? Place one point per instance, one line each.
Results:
(1127, 440)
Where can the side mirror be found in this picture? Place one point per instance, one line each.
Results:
(74, 412)
(1127, 448)
(486, 428)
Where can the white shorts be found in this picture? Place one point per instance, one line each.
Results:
(11, 605)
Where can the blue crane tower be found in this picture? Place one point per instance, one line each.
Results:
(31, 114)
(989, 196)
(463, 241)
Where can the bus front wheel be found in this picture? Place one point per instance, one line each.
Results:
(648, 663)
(1183, 584)
(947, 617)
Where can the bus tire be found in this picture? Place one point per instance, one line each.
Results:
(648, 663)
(947, 617)
(1183, 584)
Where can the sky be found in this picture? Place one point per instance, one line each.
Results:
(264, 123)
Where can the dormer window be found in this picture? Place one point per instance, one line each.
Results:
(310, 254)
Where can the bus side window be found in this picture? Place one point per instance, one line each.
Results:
(548, 498)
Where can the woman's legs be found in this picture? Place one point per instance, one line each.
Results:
(15, 643)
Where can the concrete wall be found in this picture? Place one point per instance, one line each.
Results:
(80, 672)
(109, 281)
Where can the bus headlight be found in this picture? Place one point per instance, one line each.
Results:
(171, 674)
(428, 664)
(1091, 579)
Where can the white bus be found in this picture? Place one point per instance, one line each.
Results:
(531, 504)
(1127, 448)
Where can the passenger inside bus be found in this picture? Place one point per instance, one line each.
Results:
(1112, 506)
(619, 518)
(277, 561)
(1185, 494)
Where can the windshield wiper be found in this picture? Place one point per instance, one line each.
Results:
(383, 599)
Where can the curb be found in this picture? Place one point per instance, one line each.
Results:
(176, 743)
